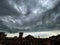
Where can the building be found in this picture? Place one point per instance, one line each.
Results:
(28, 40)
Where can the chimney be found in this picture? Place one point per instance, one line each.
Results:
(20, 34)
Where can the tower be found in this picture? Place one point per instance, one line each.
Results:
(20, 34)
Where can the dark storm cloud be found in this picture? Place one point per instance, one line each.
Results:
(29, 15)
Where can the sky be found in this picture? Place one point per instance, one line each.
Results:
(45, 34)
(29, 16)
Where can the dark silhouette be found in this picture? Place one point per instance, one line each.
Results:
(28, 40)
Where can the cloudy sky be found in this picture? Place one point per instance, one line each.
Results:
(29, 16)
(44, 34)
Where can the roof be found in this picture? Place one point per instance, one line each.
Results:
(29, 36)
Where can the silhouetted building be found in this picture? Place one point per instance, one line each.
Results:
(55, 40)
(20, 34)
(28, 40)
(29, 36)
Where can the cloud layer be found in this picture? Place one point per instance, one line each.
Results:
(29, 15)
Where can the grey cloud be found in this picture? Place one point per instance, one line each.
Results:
(29, 15)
